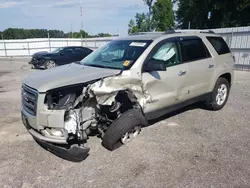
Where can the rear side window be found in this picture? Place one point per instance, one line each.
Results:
(219, 45)
(194, 49)
(79, 49)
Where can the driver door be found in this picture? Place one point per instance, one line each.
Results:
(165, 88)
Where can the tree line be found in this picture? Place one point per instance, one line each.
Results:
(16, 33)
(193, 14)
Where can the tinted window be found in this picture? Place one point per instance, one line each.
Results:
(219, 45)
(168, 53)
(194, 49)
(79, 49)
(68, 50)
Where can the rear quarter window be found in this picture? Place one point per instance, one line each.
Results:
(219, 45)
(194, 49)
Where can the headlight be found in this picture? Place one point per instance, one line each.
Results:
(62, 99)
(59, 101)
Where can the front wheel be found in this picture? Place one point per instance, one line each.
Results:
(50, 64)
(34, 66)
(124, 129)
(220, 94)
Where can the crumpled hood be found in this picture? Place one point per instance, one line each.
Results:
(66, 75)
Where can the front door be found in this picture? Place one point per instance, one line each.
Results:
(165, 87)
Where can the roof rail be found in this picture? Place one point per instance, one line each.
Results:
(188, 30)
(147, 33)
(171, 31)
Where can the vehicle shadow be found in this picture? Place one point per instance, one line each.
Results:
(77, 155)
(198, 105)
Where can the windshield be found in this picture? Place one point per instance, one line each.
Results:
(56, 50)
(117, 54)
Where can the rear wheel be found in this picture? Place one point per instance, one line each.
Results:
(50, 64)
(220, 94)
(124, 129)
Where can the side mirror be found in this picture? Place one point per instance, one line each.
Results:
(155, 65)
(61, 53)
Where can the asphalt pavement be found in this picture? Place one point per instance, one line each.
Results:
(190, 148)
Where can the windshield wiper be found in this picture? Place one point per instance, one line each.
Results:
(100, 66)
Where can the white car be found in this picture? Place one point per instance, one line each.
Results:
(116, 89)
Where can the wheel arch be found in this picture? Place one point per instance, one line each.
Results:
(227, 76)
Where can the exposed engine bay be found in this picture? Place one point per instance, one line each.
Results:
(91, 108)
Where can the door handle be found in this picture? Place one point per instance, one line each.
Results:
(211, 66)
(181, 73)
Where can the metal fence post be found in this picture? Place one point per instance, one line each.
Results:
(49, 42)
(28, 47)
(4, 45)
(81, 40)
(5, 50)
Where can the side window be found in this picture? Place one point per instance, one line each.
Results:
(68, 50)
(219, 45)
(194, 49)
(168, 53)
(79, 50)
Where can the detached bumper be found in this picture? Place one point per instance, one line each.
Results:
(59, 147)
(74, 153)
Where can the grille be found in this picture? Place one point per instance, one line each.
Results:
(29, 99)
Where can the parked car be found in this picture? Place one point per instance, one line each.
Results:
(59, 56)
(119, 87)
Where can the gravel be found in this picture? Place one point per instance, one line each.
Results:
(190, 148)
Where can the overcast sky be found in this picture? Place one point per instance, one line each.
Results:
(111, 16)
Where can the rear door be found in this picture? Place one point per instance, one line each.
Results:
(68, 55)
(165, 87)
(223, 57)
(201, 66)
(78, 54)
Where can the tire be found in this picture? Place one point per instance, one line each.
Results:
(34, 67)
(50, 64)
(125, 123)
(215, 102)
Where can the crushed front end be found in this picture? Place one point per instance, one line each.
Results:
(56, 119)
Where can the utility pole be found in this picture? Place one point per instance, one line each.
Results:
(189, 25)
(81, 13)
(71, 28)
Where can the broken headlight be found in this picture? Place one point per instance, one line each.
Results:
(60, 99)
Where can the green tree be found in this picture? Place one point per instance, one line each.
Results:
(163, 14)
(132, 28)
(162, 17)
(225, 13)
(141, 23)
(16, 33)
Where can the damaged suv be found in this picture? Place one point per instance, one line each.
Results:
(115, 90)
